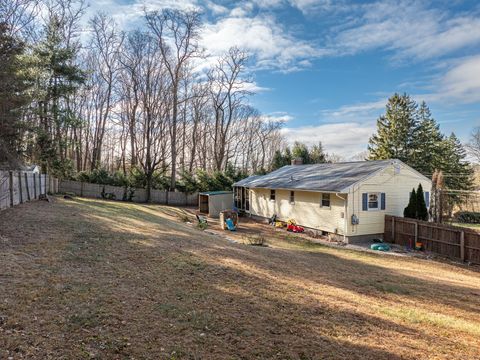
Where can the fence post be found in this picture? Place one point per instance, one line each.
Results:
(416, 233)
(40, 183)
(462, 245)
(26, 185)
(393, 229)
(35, 185)
(20, 186)
(10, 180)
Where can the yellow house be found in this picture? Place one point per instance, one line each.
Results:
(346, 200)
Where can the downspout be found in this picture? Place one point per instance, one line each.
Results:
(344, 216)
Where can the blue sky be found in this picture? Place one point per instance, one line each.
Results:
(328, 67)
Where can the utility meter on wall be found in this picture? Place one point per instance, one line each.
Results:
(355, 220)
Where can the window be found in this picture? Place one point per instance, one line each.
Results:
(372, 201)
(325, 200)
(272, 195)
(292, 197)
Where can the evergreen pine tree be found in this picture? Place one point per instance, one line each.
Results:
(395, 130)
(58, 78)
(422, 212)
(300, 150)
(411, 210)
(287, 157)
(14, 84)
(427, 150)
(317, 155)
(458, 173)
(277, 161)
(454, 164)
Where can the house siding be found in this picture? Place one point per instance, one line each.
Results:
(397, 188)
(306, 210)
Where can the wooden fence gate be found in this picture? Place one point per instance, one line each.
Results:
(451, 241)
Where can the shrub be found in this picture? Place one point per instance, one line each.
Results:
(256, 240)
(422, 212)
(202, 225)
(187, 183)
(128, 194)
(137, 178)
(470, 217)
(411, 210)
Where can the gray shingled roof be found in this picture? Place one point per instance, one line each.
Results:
(318, 177)
(247, 180)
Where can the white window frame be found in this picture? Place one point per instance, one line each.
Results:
(329, 201)
(379, 196)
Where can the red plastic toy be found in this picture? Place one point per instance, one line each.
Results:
(293, 227)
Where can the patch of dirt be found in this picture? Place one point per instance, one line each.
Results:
(95, 279)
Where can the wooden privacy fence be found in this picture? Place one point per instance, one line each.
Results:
(139, 195)
(17, 187)
(451, 241)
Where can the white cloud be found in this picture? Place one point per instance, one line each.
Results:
(216, 9)
(459, 84)
(130, 15)
(261, 36)
(355, 112)
(345, 139)
(409, 29)
(305, 6)
(462, 82)
(278, 116)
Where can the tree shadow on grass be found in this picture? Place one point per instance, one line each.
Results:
(322, 267)
(243, 299)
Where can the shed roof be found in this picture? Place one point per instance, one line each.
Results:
(211, 193)
(336, 177)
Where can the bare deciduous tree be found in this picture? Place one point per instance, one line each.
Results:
(177, 34)
(105, 46)
(473, 146)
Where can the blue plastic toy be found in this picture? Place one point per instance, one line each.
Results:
(230, 225)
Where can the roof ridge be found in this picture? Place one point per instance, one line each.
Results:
(346, 162)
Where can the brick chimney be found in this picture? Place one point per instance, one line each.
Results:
(297, 161)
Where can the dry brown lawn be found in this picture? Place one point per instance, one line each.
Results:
(111, 280)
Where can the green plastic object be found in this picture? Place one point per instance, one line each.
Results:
(380, 247)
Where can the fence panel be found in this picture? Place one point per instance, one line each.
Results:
(174, 198)
(4, 190)
(451, 241)
(21, 186)
(159, 196)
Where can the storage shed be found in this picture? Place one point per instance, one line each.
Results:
(212, 202)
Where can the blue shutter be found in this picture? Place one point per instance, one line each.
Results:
(427, 199)
(364, 201)
(383, 201)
